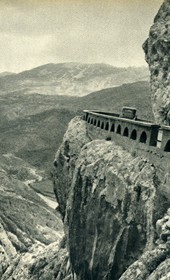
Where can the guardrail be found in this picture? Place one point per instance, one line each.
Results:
(141, 131)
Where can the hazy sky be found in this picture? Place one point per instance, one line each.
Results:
(36, 32)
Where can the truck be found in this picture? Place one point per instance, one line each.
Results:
(128, 113)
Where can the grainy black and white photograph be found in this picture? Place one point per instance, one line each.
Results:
(84, 140)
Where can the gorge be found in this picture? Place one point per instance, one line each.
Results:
(112, 221)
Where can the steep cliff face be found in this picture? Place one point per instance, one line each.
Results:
(154, 264)
(157, 50)
(110, 202)
(74, 139)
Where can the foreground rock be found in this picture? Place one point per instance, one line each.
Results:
(154, 264)
(40, 264)
(157, 50)
(111, 204)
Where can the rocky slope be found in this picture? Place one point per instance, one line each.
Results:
(112, 209)
(40, 263)
(157, 50)
(71, 79)
(28, 226)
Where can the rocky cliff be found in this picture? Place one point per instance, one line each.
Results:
(157, 50)
(112, 209)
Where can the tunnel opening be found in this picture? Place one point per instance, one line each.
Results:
(143, 137)
(118, 129)
(126, 132)
(102, 125)
(107, 126)
(98, 124)
(113, 127)
(133, 135)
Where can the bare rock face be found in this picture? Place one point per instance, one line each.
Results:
(154, 264)
(111, 204)
(43, 263)
(157, 51)
(74, 139)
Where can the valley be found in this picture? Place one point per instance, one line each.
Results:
(32, 126)
(31, 131)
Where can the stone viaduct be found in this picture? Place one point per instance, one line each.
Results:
(139, 137)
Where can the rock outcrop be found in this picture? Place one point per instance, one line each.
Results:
(42, 263)
(154, 264)
(157, 50)
(110, 203)
(74, 139)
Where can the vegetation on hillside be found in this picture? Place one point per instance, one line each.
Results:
(32, 126)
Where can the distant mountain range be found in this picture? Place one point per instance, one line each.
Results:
(3, 74)
(71, 79)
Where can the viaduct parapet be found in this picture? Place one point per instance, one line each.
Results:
(139, 137)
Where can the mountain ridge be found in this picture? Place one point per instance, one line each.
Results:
(71, 79)
(6, 73)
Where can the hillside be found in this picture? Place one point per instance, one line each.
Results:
(6, 73)
(71, 79)
(113, 99)
(32, 126)
(17, 177)
(35, 137)
(27, 224)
